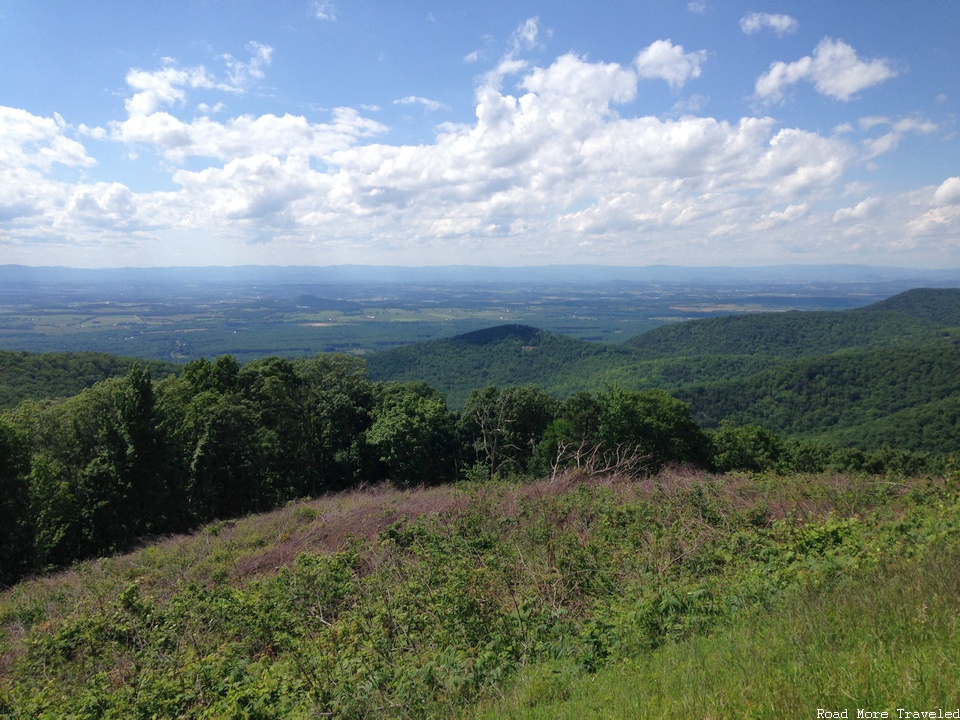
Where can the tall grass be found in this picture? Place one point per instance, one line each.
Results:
(875, 641)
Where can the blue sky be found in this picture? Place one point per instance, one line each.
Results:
(306, 132)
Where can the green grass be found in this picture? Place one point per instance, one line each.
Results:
(875, 641)
(687, 593)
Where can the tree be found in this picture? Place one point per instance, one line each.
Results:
(16, 526)
(413, 436)
(338, 404)
(121, 481)
(221, 458)
(506, 426)
(281, 429)
(748, 447)
(651, 426)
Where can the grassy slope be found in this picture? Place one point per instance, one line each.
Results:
(420, 603)
(873, 641)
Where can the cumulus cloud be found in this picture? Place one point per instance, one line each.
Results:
(28, 140)
(246, 135)
(948, 193)
(896, 129)
(150, 123)
(666, 61)
(550, 165)
(943, 222)
(860, 211)
(103, 205)
(32, 151)
(834, 70)
(776, 218)
(161, 87)
(756, 21)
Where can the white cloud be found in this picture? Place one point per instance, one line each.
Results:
(240, 136)
(324, 10)
(427, 103)
(777, 218)
(896, 129)
(941, 222)
(948, 193)
(246, 135)
(860, 211)
(214, 109)
(525, 37)
(835, 71)
(28, 140)
(109, 205)
(666, 61)
(167, 87)
(699, 7)
(243, 73)
(755, 22)
(551, 166)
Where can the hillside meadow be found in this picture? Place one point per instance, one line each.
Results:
(583, 595)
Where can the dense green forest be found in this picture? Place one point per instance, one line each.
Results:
(35, 376)
(833, 376)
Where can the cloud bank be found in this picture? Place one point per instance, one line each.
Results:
(554, 168)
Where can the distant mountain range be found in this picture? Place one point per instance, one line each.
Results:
(458, 274)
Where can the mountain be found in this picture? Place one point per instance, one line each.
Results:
(503, 355)
(787, 334)
(937, 305)
(888, 373)
(900, 278)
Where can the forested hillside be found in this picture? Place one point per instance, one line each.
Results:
(812, 396)
(814, 375)
(34, 376)
(503, 355)
(938, 305)
(788, 334)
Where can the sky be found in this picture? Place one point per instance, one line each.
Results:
(415, 132)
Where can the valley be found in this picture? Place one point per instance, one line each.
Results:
(256, 312)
